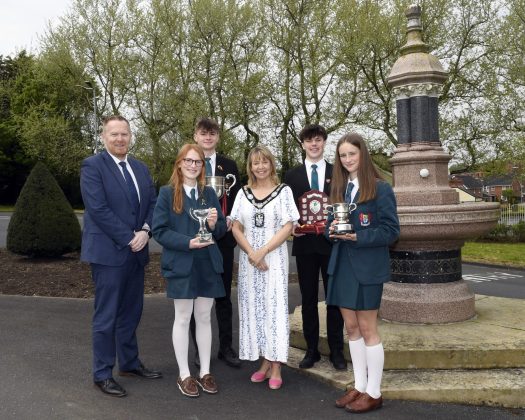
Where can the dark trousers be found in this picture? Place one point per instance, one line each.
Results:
(119, 298)
(308, 267)
(223, 305)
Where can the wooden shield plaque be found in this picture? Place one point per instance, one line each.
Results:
(312, 210)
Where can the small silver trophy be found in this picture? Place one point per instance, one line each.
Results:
(341, 212)
(201, 215)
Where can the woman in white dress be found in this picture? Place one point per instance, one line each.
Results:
(263, 215)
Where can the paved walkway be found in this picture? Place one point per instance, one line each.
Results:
(45, 362)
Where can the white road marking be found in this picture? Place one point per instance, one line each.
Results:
(497, 275)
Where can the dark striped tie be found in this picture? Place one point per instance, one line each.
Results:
(131, 186)
(348, 194)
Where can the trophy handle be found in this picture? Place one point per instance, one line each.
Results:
(352, 207)
(232, 184)
(192, 215)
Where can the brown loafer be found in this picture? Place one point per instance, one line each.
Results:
(350, 396)
(208, 384)
(188, 386)
(364, 403)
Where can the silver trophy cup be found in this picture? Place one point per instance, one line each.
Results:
(217, 183)
(201, 215)
(341, 212)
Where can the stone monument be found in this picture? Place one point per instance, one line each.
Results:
(426, 285)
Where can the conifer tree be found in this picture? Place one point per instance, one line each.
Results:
(43, 223)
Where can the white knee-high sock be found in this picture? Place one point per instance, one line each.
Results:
(180, 337)
(201, 311)
(359, 362)
(375, 358)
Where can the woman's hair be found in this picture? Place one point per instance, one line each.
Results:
(366, 173)
(177, 179)
(260, 152)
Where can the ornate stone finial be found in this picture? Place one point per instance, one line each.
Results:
(415, 64)
(415, 41)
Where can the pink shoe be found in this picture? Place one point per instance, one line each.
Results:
(259, 376)
(275, 383)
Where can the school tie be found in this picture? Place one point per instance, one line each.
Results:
(192, 195)
(209, 172)
(348, 194)
(131, 186)
(315, 178)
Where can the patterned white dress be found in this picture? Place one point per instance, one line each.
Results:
(263, 295)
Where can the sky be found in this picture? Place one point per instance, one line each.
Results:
(22, 21)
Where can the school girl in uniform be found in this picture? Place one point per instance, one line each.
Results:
(360, 264)
(192, 268)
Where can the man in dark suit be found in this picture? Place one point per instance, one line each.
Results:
(312, 252)
(206, 135)
(119, 197)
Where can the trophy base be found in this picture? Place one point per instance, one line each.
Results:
(343, 228)
(316, 228)
(204, 237)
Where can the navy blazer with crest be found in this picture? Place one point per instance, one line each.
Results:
(109, 218)
(376, 225)
(174, 232)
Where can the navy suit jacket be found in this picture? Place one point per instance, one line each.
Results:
(376, 226)
(174, 232)
(109, 218)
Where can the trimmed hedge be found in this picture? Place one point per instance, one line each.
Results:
(43, 223)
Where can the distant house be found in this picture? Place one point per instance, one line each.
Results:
(469, 187)
(494, 187)
(488, 188)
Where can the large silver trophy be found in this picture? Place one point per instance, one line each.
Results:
(341, 212)
(201, 215)
(219, 184)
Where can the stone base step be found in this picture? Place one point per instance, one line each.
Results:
(492, 387)
(495, 339)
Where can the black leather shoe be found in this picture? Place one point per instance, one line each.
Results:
(110, 387)
(197, 360)
(338, 361)
(142, 372)
(309, 359)
(229, 357)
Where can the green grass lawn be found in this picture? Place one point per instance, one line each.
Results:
(512, 255)
(7, 208)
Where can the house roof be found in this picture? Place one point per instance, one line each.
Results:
(501, 180)
(469, 181)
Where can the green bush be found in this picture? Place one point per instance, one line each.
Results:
(518, 231)
(43, 223)
(505, 233)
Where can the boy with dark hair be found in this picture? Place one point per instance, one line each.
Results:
(312, 252)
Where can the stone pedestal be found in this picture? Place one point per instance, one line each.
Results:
(433, 303)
